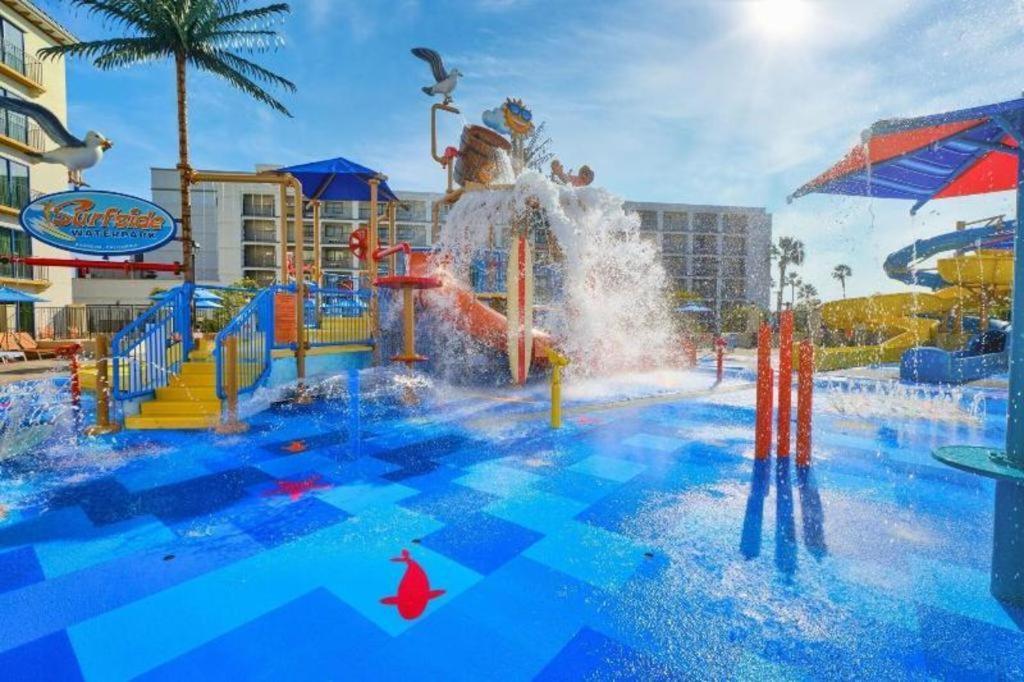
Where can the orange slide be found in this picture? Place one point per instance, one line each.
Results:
(477, 319)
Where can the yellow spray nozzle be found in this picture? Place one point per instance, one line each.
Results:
(557, 359)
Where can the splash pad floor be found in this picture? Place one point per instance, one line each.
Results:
(639, 542)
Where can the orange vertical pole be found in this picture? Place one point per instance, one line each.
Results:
(804, 400)
(763, 413)
(785, 381)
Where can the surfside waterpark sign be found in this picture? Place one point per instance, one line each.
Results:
(98, 222)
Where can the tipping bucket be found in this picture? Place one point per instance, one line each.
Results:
(478, 155)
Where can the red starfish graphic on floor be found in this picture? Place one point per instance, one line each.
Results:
(296, 489)
(295, 446)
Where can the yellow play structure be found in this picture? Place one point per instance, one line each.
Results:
(966, 283)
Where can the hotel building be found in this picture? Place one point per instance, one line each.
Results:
(25, 29)
(719, 253)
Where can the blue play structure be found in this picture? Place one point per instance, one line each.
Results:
(986, 354)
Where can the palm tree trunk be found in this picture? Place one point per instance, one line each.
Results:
(184, 171)
(842, 283)
(782, 288)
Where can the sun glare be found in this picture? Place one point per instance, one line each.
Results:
(781, 20)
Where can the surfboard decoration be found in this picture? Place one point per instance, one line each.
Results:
(520, 308)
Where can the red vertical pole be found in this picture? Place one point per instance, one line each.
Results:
(719, 358)
(763, 414)
(76, 384)
(804, 400)
(785, 381)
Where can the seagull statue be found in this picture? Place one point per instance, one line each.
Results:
(445, 80)
(74, 154)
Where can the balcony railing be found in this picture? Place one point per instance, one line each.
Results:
(14, 57)
(23, 271)
(20, 129)
(259, 235)
(259, 262)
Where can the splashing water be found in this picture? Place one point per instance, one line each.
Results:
(883, 399)
(610, 311)
(30, 418)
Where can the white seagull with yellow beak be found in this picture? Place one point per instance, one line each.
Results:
(74, 154)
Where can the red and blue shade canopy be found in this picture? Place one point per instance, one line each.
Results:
(955, 154)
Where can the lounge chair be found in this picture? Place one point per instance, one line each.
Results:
(9, 348)
(32, 349)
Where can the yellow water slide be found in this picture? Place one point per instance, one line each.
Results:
(911, 319)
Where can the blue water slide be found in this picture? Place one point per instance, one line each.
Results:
(899, 264)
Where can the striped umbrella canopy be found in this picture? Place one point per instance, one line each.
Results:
(954, 154)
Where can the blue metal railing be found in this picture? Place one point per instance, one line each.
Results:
(148, 351)
(253, 328)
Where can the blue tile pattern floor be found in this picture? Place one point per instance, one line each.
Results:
(622, 547)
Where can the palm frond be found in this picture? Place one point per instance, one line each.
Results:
(92, 48)
(250, 40)
(145, 50)
(253, 70)
(211, 64)
(255, 14)
(127, 13)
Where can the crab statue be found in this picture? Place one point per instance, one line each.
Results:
(511, 118)
(581, 179)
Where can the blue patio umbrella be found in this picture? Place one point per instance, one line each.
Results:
(207, 304)
(337, 179)
(200, 294)
(955, 154)
(693, 309)
(10, 296)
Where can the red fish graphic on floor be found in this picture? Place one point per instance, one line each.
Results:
(413, 591)
(296, 489)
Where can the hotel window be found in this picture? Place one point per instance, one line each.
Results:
(705, 222)
(676, 266)
(258, 204)
(673, 243)
(735, 223)
(259, 230)
(648, 220)
(733, 267)
(705, 244)
(415, 235)
(673, 221)
(14, 183)
(12, 125)
(705, 267)
(734, 246)
(14, 46)
(15, 243)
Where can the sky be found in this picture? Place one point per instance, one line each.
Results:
(735, 102)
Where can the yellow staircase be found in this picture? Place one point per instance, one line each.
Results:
(189, 401)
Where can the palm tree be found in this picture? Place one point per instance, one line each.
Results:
(209, 35)
(793, 281)
(788, 251)
(842, 273)
(808, 294)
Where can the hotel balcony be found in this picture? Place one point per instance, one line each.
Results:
(20, 133)
(14, 197)
(21, 67)
(259, 235)
(21, 276)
